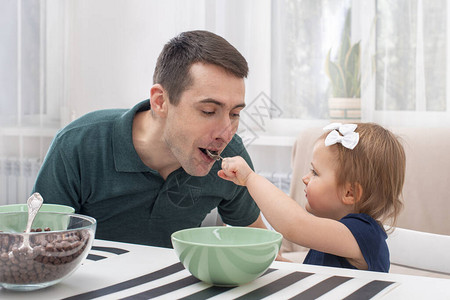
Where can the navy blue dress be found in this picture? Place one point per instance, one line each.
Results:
(371, 239)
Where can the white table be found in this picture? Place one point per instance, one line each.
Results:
(118, 270)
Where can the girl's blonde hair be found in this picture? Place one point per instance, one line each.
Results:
(377, 166)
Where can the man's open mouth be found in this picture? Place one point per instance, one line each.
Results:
(214, 152)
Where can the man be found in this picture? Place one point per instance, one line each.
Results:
(144, 173)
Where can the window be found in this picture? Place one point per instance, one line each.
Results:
(303, 33)
(31, 44)
(404, 65)
(411, 55)
(31, 56)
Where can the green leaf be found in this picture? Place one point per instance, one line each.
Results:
(337, 78)
(352, 70)
(344, 72)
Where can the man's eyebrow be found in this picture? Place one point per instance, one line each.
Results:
(209, 100)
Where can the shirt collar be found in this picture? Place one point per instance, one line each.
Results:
(126, 158)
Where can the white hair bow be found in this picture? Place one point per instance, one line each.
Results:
(349, 138)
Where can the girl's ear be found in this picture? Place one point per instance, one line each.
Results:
(158, 100)
(352, 193)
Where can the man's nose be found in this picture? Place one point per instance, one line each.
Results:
(226, 129)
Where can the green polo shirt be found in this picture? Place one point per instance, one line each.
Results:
(92, 166)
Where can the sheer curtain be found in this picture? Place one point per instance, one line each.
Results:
(404, 63)
(30, 95)
(303, 33)
(409, 84)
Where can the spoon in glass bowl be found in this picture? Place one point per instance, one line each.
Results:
(34, 203)
(215, 156)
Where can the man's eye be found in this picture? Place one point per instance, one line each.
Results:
(208, 113)
(235, 115)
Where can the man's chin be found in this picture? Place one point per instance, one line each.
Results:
(198, 172)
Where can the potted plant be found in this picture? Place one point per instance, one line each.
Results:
(345, 78)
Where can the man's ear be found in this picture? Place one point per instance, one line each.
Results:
(158, 100)
(352, 193)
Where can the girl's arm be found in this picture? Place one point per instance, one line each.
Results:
(289, 218)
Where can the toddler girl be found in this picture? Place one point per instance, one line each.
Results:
(354, 186)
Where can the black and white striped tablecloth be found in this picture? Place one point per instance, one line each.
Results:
(175, 282)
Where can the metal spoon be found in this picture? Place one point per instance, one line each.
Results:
(34, 203)
(213, 156)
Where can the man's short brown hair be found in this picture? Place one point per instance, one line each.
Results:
(178, 55)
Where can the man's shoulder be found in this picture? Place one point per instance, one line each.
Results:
(105, 118)
(90, 126)
(94, 119)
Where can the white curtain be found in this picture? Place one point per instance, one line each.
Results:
(303, 33)
(407, 84)
(404, 58)
(28, 118)
(31, 56)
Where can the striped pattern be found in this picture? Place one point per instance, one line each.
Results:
(175, 282)
(99, 253)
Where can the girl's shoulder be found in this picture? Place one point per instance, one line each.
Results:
(371, 238)
(363, 223)
(361, 217)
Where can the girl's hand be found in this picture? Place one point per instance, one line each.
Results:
(235, 169)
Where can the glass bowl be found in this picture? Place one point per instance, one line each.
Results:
(58, 247)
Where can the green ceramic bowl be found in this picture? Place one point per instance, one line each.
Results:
(53, 255)
(46, 207)
(38, 221)
(226, 256)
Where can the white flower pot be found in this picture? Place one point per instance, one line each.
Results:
(344, 109)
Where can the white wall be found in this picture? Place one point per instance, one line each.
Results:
(112, 46)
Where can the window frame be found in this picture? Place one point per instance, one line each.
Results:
(52, 38)
(363, 29)
(398, 118)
